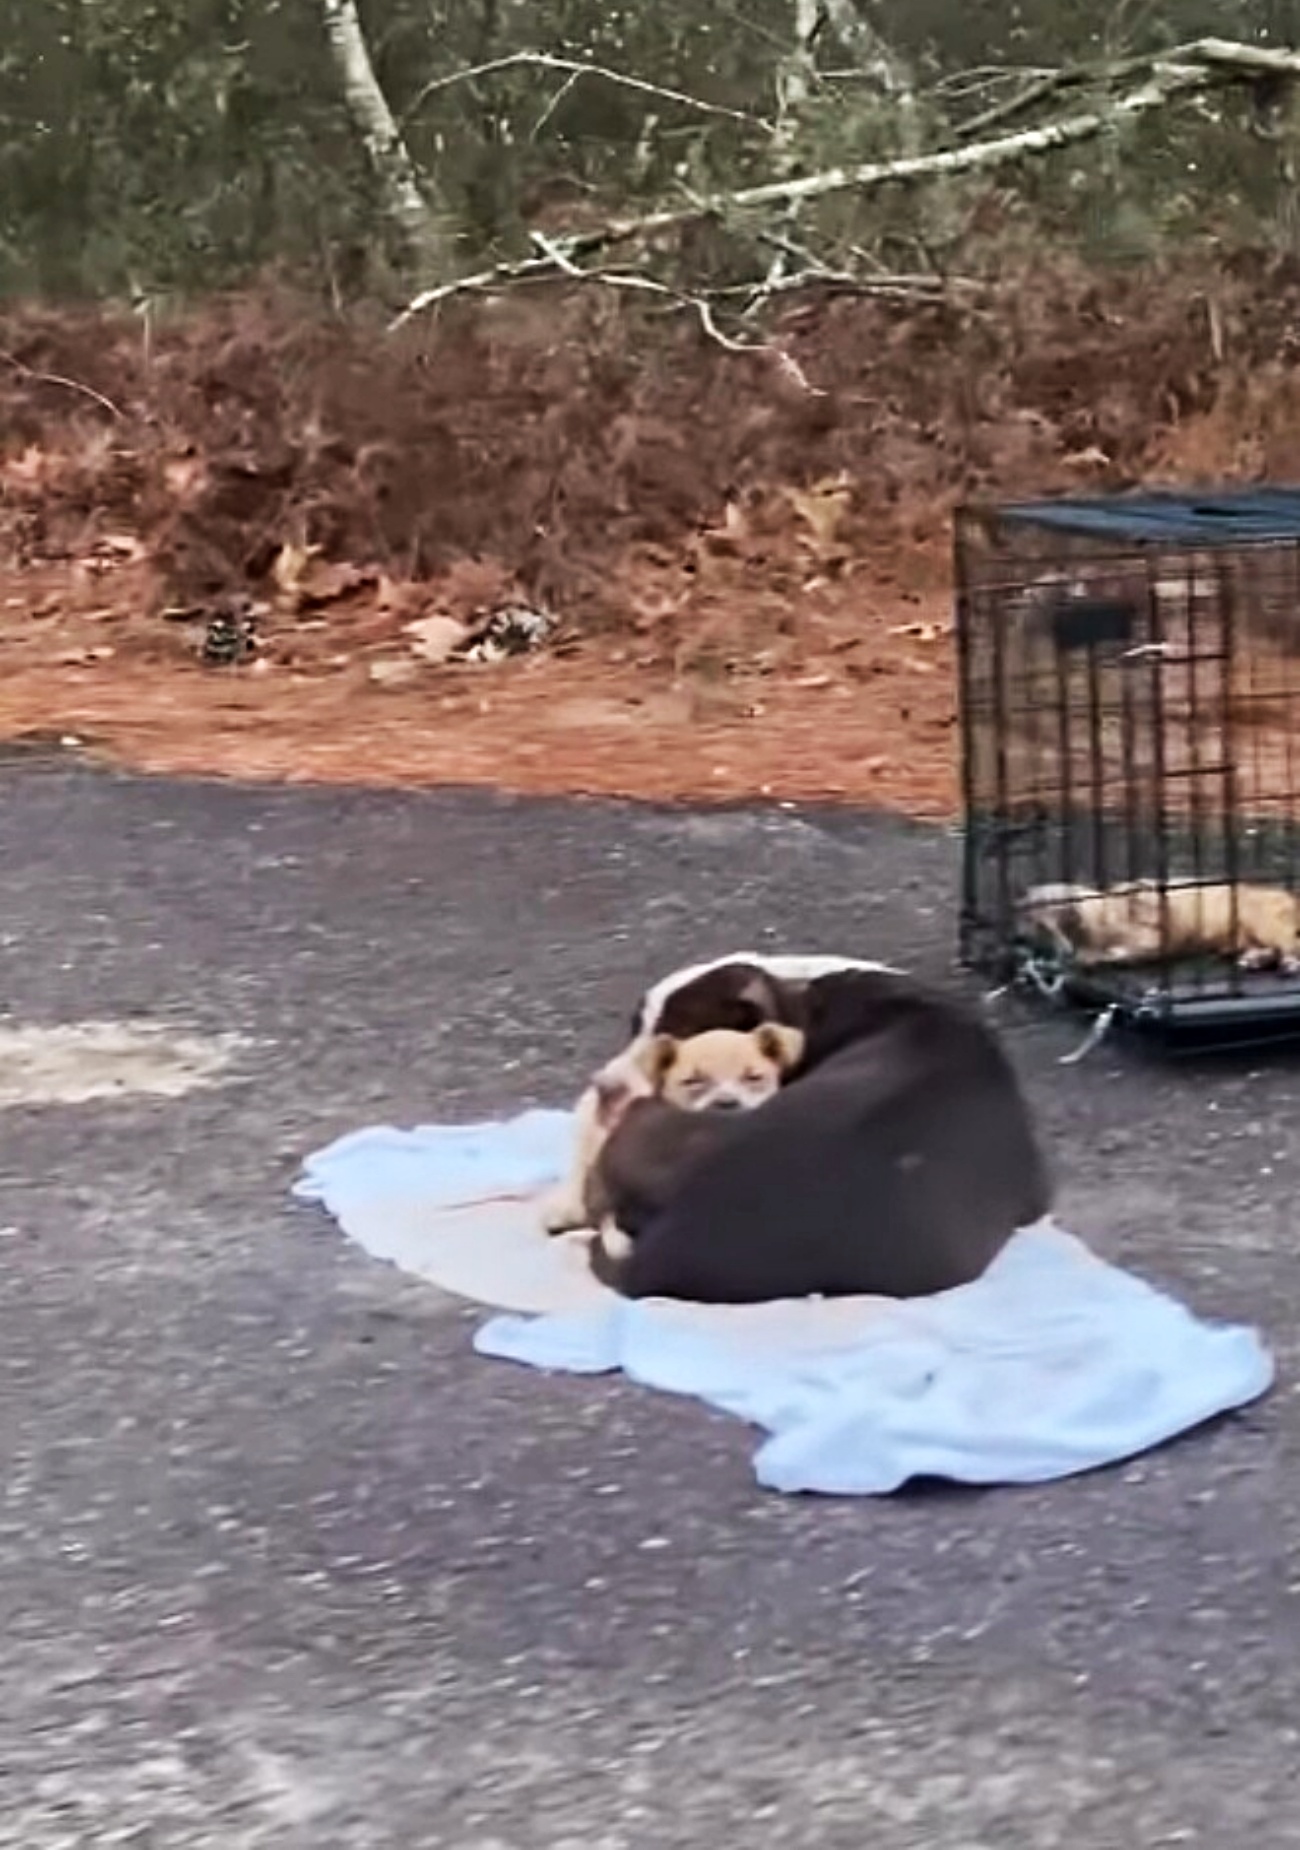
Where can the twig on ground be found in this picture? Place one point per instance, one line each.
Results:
(57, 379)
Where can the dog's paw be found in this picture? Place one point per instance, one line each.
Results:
(561, 1213)
(616, 1245)
(607, 1254)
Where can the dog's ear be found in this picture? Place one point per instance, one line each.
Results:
(781, 1045)
(663, 1057)
(769, 998)
(757, 1000)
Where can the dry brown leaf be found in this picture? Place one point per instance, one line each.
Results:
(822, 507)
(184, 476)
(121, 546)
(393, 671)
(396, 597)
(922, 632)
(28, 466)
(1083, 460)
(304, 579)
(290, 565)
(435, 639)
(324, 582)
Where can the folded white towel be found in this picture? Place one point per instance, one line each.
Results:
(1052, 1363)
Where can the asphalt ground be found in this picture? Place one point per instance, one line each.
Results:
(283, 1564)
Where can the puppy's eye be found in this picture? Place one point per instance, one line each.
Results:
(754, 1079)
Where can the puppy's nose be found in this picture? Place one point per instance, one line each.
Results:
(725, 1102)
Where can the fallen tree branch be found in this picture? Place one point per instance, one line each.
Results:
(1190, 69)
(25, 371)
(997, 115)
(555, 261)
(978, 156)
(786, 193)
(697, 304)
(575, 68)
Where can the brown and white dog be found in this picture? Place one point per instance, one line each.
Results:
(898, 1160)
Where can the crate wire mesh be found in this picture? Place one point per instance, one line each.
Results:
(1130, 698)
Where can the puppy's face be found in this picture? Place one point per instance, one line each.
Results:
(723, 1070)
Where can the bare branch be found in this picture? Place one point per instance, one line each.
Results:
(570, 83)
(479, 282)
(576, 68)
(57, 379)
(975, 157)
(1243, 60)
(996, 115)
(698, 304)
(983, 77)
(1191, 69)
(1220, 59)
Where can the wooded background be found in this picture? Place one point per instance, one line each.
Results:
(161, 147)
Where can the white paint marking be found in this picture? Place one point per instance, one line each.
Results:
(83, 1061)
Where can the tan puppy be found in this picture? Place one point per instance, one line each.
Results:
(1258, 925)
(721, 1070)
(600, 1108)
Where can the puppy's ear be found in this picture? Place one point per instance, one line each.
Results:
(657, 1057)
(781, 1045)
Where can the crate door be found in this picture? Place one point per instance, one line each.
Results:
(1144, 756)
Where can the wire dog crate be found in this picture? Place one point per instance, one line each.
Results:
(1130, 723)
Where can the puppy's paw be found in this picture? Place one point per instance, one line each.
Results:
(562, 1212)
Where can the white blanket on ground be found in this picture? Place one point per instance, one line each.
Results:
(1052, 1363)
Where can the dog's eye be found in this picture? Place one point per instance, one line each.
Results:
(754, 1079)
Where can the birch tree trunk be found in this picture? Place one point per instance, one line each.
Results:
(405, 203)
(796, 78)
